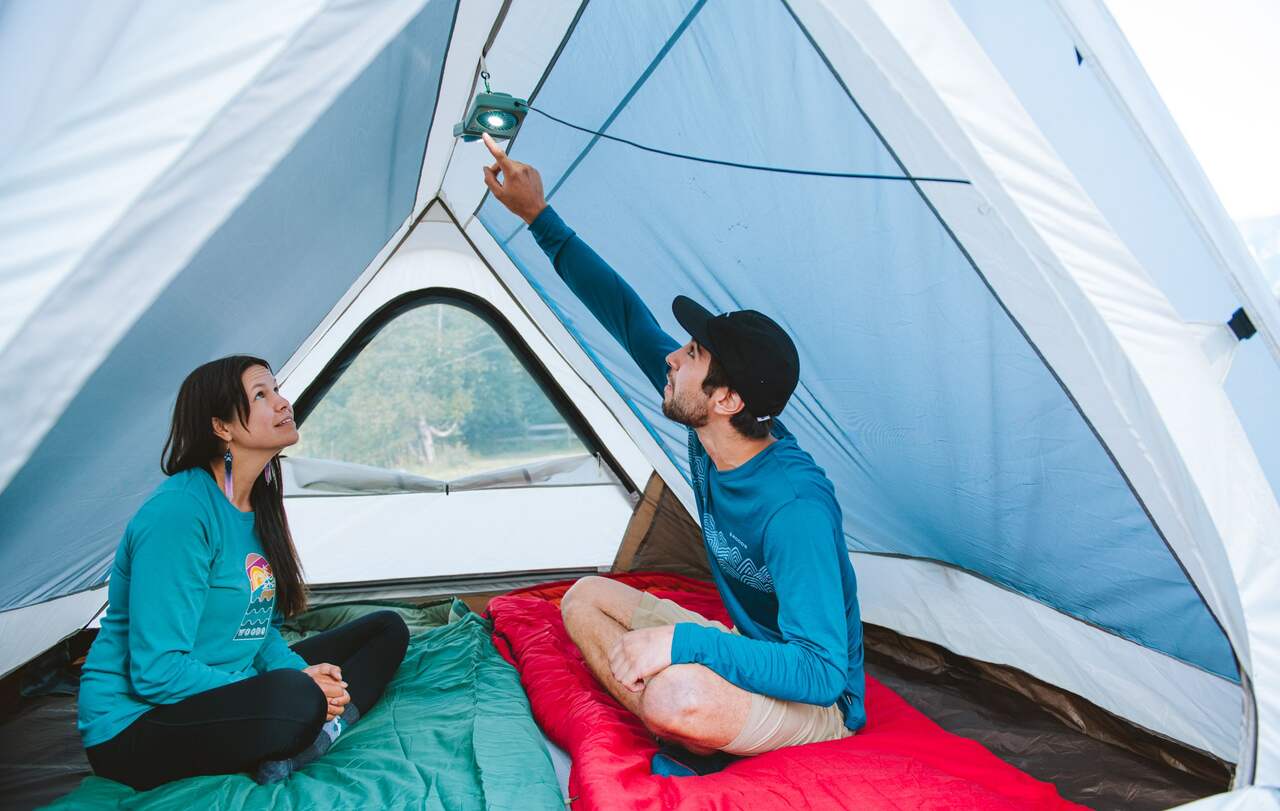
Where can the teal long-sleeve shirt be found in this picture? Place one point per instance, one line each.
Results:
(191, 606)
(771, 527)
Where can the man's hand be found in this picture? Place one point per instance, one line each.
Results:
(637, 655)
(521, 186)
(329, 679)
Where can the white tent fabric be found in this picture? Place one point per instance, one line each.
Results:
(82, 177)
(1254, 798)
(1102, 115)
(178, 168)
(1187, 470)
(923, 600)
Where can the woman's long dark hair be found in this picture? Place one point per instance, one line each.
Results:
(216, 389)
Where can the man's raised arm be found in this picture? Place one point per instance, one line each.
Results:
(610, 299)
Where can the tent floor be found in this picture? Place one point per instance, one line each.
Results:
(41, 757)
(1022, 733)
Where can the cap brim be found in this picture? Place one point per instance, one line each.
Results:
(695, 319)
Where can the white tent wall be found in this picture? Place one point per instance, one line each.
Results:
(1133, 94)
(77, 52)
(923, 599)
(27, 632)
(1102, 115)
(1115, 342)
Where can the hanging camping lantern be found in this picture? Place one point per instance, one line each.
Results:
(499, 114)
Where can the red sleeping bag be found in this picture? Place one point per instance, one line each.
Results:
(900, 760)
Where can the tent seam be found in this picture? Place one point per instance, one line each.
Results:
(435, 111)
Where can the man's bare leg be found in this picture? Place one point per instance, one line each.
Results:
(687, 703)
(597, 611)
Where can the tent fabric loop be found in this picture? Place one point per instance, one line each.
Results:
(1241, 326)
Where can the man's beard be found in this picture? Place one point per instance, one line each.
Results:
(683, 413)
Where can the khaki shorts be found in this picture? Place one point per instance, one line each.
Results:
(771, 723)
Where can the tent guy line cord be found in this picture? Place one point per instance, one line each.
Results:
(752, 166)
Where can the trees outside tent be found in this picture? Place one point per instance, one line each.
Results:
(437, 392)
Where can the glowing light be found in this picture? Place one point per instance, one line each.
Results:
(498, 114)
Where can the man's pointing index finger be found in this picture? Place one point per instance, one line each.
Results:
(496, 150)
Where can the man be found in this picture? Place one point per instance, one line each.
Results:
(791, 670)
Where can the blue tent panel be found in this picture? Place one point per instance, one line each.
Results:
(946, 435)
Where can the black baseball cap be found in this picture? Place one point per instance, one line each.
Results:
(757, 355)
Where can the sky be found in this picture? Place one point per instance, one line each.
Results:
(1216, 64)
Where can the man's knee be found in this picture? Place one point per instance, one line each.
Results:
(677, 701)
(582, 598)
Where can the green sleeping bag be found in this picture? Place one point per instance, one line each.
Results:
(453, 731)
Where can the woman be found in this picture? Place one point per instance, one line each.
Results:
(189, 674)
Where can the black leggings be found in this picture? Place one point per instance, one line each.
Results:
(267, 717)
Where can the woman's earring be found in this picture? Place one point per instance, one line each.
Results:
(226, 475)
(267, 471)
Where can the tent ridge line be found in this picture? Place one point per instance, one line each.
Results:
(435, 108)
(493, 29)
(1034, 347)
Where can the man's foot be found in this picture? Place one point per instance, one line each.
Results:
(672, 760)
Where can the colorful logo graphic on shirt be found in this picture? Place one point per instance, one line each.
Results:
(262, 598)
(732, 562)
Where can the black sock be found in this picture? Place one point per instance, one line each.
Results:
(273, 771)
